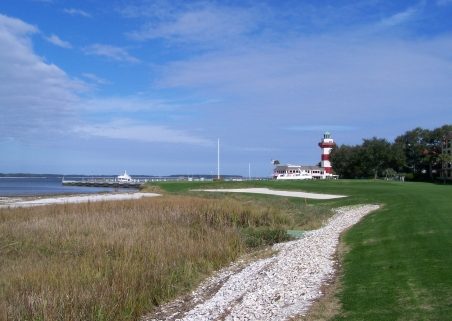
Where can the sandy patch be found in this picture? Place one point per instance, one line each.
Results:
(17, 202)
(274, 192)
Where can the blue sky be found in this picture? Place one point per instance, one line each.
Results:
(148, 86)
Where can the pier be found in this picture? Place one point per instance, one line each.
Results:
(126, 181)
(104, 182)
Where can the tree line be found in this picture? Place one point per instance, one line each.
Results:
(417, 154)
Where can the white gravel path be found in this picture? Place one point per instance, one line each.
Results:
(279, 287)
(17, 202)
(268, 191)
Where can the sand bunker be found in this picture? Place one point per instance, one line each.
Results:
(274, 192)
(17, 202)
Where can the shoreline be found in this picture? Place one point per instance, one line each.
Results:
(50, 195)
(30, 201)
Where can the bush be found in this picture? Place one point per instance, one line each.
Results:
(264, 235)
(409, 176)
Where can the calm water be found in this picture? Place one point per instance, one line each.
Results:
(44, 186)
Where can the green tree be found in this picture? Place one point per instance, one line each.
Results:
(422, 148)
(377, 155)
(366, 160)
(417, 151)
(413, 143)
(436, 141)
(445, 160)
(345, 161)
(389, 173)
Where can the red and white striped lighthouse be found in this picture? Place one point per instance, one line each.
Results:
(326, 145)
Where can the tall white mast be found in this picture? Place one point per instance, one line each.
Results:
(249, 171)
(218, 159)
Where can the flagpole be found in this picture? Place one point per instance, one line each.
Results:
(218, 159)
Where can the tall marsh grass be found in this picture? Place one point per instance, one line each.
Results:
(118, 260)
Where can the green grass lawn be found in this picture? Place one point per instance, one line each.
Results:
(399, 260)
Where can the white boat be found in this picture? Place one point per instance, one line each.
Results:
(124, 178)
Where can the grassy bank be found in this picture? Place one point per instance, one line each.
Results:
(306, 214)
(117, 260)
(397, 265)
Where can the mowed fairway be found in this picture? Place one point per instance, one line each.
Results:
(399, 260)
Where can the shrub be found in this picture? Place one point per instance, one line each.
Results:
(264, 235)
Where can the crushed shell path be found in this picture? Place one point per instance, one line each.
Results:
(279, 287)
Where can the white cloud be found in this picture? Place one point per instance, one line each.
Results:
(205, 23)
(57, 41)
(255, 149)
(36, 98)
(111, 52)
(359, 82)
(149, 8)
(96, 79)
(40, 102)
(77, 12)
(443, 2)
(149, 133)
(124, 104)
(320, 128)
(15, 26)
(400, 17)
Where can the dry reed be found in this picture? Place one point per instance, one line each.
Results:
(117, 260)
